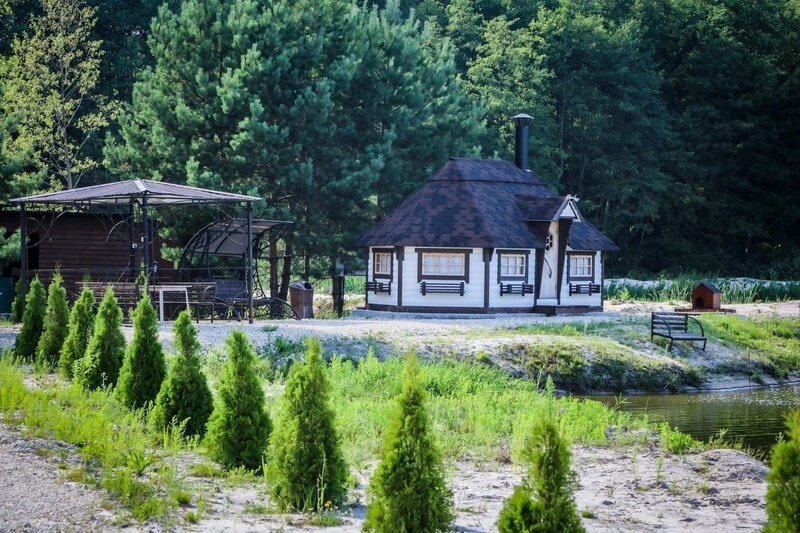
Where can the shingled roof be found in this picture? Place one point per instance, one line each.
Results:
(479, 203)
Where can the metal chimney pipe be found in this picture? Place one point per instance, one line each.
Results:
(521, 146)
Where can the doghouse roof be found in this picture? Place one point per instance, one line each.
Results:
(708, 285)
(480, 203)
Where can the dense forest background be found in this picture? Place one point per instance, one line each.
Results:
(677, 122)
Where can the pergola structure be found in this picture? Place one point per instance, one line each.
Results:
(144, 194)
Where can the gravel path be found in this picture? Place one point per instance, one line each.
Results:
(34, 495)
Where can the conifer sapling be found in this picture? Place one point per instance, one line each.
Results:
(783, 482)
(544, 501)
(408, 492)
(143, 369)
(79, 332)
(56, 320)
(100, 366)
(307, 469)
(32, 322)
(239, 427)
(16, 305)
(184, 395)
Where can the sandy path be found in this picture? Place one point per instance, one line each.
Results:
(34, 495)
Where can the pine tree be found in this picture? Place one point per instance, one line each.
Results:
(56, 321)
(143, 369)
(783, 482)
(408, 492)
(184, 395)
(544, 502)
(101, 364)
(81, 322)
(239, 426)
(32, 322)
(306, 468)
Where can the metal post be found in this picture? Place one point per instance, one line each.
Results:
(249, 258)
(145, 238)
(23, 256)
(132, 260)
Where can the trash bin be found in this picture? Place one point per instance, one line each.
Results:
(6, 293)
(301, 297)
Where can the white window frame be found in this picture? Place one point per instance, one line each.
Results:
(519, 267)
(584, 271)
(382, 259)
(438, 266)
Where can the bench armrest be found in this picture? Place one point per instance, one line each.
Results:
(700, 324)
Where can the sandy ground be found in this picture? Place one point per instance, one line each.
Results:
(635, 489)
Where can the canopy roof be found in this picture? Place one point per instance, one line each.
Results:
(135, 191)
(229, 237)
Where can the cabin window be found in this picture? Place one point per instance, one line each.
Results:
(382, 264)
(443, 263)
(581, 267)
(512, 265)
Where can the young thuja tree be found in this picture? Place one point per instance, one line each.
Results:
(143, 368)
(100, 366)
(783, 482)
(239, 427)
(16, 305)
(56, 320)
(408, 491)
(79, 332)
(184, 395)
(307, 469)
(32, 322)
(543, 502)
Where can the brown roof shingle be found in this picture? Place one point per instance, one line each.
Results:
(477, 203)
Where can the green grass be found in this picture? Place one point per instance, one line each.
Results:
(112, 440)
(474, 408)
(773, 343)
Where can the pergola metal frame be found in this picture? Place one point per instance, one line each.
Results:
(142, 193)
(227, 239)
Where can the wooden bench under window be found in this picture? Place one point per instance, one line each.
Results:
(431, 287)
(516, 288)
(379, 286)
(675, 327)
(584, 288)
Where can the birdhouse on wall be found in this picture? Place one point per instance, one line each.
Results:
(706, 297)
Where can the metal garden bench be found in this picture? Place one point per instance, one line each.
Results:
(675, 327)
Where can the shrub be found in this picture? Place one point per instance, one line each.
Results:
(100, 366)
(783, 482)
(544, 501)
(408, 491)
(307, 469)
(79, 332)
(239, 426)
(32, 322)
(143, 368)
(184, 395)
(16, 305)
(56, 319)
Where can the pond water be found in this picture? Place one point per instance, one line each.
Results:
(755, 416)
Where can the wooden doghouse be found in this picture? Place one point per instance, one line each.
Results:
(706, 297)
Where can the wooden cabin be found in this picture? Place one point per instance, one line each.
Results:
(81, 245)
(486, 236)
